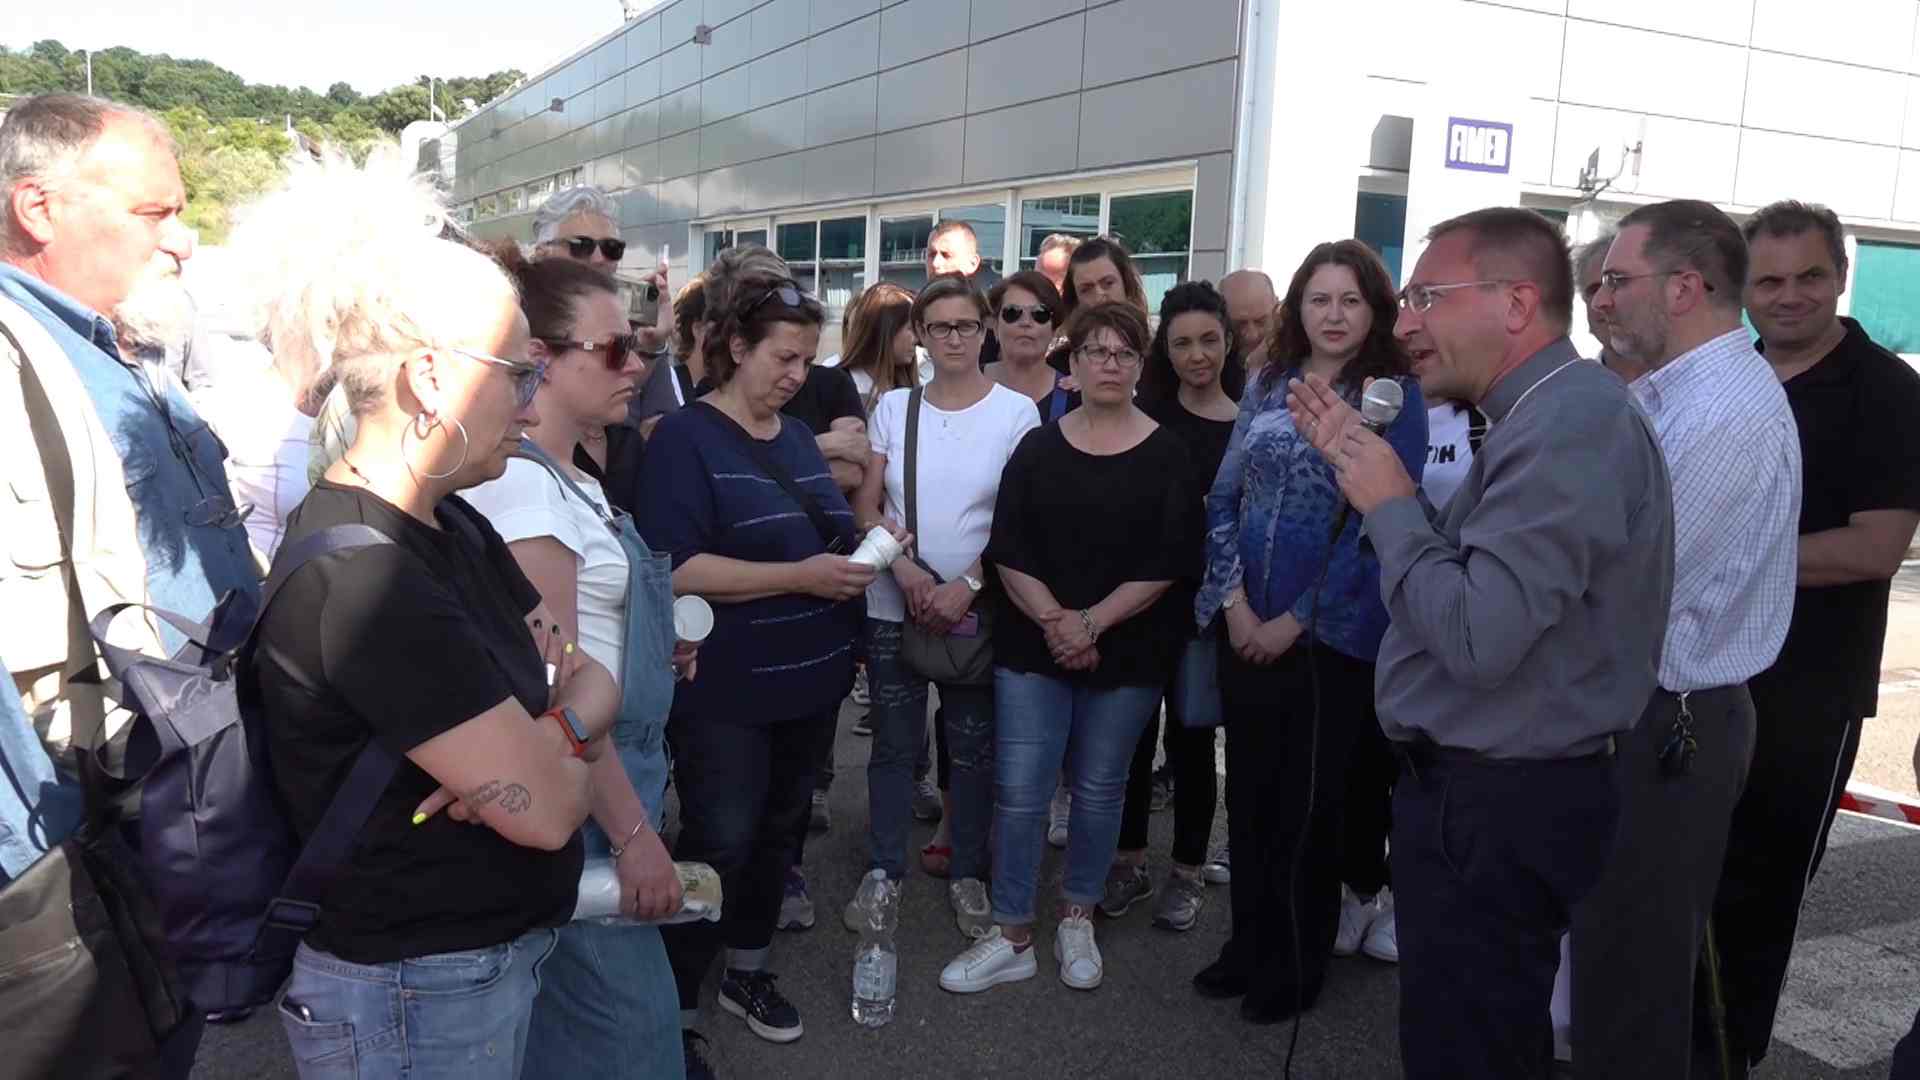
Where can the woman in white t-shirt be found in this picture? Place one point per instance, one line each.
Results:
(968, 426)
(607, 991)
(253, 409)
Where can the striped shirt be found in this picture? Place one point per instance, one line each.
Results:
(1734, 454)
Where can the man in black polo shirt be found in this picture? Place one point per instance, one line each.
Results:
(1858, 409)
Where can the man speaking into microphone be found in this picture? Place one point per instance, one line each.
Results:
(1527, 620)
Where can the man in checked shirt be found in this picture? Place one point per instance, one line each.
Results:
(1671, 292)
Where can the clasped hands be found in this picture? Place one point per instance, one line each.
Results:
(1366, 468)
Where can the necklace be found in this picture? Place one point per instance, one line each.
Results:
(352, 468)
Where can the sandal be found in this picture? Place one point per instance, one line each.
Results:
(937, 860)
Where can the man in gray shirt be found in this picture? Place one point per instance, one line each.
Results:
(1528, 618)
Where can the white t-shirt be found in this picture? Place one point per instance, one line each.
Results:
(267, 448)
(527, 502)
(1449, 451)
(961, 455)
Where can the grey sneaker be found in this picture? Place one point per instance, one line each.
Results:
(1180, 902)
(819, 818)
(860, 696)
(1218, 870)
(1162, 796)
(926, 800)
(971, 911)
(796, 907)
(1126, 886)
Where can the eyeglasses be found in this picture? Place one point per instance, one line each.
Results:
(788, 293)
(616, 348)
(1098, 355)
(948, 331)
(1420, 298)
(581, 247)
(1615, 280)
(1010, 314)
(526, 374)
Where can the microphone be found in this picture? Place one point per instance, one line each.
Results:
(1379, 408)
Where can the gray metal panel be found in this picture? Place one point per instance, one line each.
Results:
(603, 138)
(919, 158)
(680, 155)
(1040, 62)
(608, 98)
(725, 11)
(641, 83)
(724, 95)
(773, 182)
(640, 165)
(991, 18)
(643, 40)
(722, 191)
(606, 173)
(1175, 115)
(640, 126)
(731, 46)
(841, 171)
(828, 14)
(849, 52)
(1207, 266)
(609, 59)
(920, 28)
(680, 111)
(1210, 191)
(779, 25)
(779, 76)
(677, 23)
(679, 68)
(1025, 140)
(921, 93)
(640, 206)
(1135, 38)
(778, 129)
(843, 112)
(680, 199)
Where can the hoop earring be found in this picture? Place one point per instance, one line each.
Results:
(465, 446)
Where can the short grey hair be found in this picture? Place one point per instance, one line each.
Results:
(44, 136)
(585, 199)
(1588, 253)
(1057, 242)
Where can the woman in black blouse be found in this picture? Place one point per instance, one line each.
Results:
(1095, 520)
(1191, 384)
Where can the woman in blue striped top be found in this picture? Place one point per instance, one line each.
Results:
(1304, 617)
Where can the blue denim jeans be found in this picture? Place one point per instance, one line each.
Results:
(1044, 724)
(899, 714)
(456, 1015)
(607, 1007)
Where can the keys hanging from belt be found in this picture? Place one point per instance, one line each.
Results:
(1676, 757)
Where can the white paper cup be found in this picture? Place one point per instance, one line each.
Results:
(878, 550)
(692, 619)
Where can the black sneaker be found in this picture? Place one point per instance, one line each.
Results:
(690, 1043)
(751, 996)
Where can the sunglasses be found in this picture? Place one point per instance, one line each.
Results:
(616, 348)
(1010, 314)
(787, 292)
(581, 247)
(526, 376)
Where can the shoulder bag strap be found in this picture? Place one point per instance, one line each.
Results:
(530, 452)
(912, 470)
(830, 534)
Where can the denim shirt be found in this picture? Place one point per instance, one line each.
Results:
(174, 465)
(1269, 514)
(38, 807)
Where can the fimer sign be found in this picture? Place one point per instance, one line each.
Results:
(1479, 145)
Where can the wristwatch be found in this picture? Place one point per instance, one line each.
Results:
(570, 726)
(973, 583)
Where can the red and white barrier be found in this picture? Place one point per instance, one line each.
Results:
(1880, 803)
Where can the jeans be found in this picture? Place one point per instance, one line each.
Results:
(607, 1007)
(899, 730)
(1046, 723)
(38, 806)
(456, 1015)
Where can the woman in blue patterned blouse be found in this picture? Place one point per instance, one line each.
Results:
(1304, 618)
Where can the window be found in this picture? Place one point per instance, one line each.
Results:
(1886, 278)
(1071, 215)
(751, 236)
(718, 240)
(1158, 230)
(489, 206)
(843, 261)
(1380, 222)
(539, 192)
(903, 251)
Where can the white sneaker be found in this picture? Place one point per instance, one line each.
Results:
(1356, 915)
(1079, 958)
(1057, 816)
(859, 695)
(987, 963)
(1383, 937)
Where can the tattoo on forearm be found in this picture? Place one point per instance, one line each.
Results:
(513, 798)
(482, 795)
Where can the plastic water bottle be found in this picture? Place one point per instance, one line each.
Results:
(875, 963)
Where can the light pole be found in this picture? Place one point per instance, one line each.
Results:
(89, 55)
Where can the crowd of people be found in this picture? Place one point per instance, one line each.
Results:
(1528, 686)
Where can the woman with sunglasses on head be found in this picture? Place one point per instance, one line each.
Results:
(1304, 621)
(1096, 519)
(608, 993)
(743, 501)
(431, 647)
(1190, 385)
(965, 429)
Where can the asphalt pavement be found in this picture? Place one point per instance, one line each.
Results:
(1852, 993)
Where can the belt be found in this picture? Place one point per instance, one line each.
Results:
(1417, 755)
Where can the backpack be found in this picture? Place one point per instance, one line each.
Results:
(234, 888)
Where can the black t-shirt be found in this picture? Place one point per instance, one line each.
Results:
(403, 642)
(829, 394)
(1083, 525)
(1206, 441)
(626, 451)
(1860, 451)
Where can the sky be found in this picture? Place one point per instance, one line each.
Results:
(373, 44)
